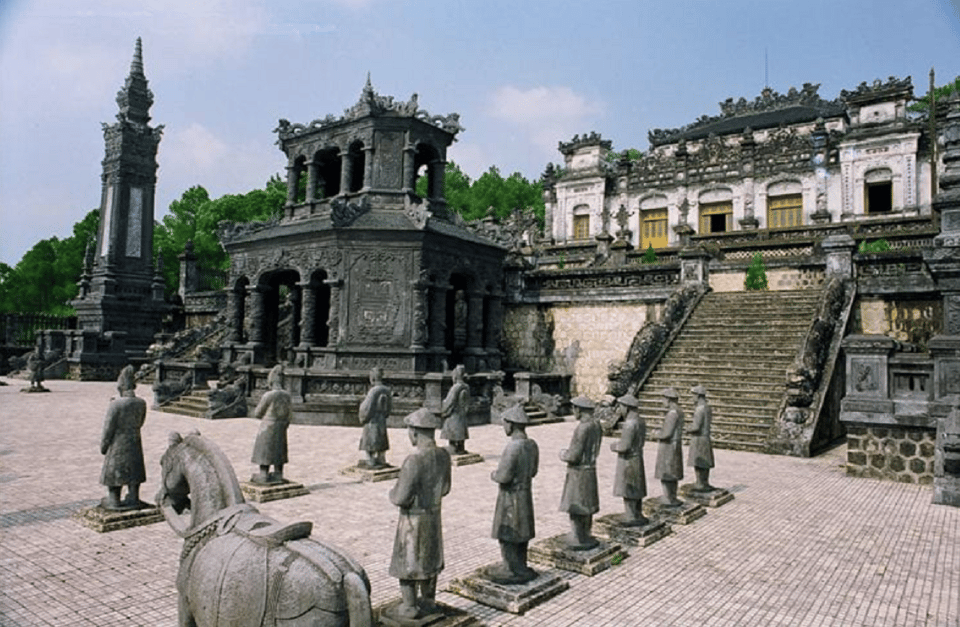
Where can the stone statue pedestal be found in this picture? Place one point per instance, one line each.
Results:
(263, 492)
(103, 520)
(682, 514)
(445, 616)
(711, 498)
(513, 598)
(641, 535)
(371, 475)
(465, 459)
(555, 553)
(34, 390)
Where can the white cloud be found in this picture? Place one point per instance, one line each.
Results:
(546, 115)
(471, 158)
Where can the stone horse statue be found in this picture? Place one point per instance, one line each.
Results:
(239, 567)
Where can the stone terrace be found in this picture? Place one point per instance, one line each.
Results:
(802, 544)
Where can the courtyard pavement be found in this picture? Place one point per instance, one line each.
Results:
(801, 545)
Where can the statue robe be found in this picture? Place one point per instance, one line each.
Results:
(121, 444)
(580, 495)
(513, 519)
(630, 481)
(273, 411)
(454, 410)
(418, 546)
(374, 411)
(670, 449)
(701, 450)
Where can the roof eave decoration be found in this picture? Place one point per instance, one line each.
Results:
(892, 89)
(768, 100)
(372, 104)
(589, 139)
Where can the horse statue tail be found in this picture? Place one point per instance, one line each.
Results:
(358, 600)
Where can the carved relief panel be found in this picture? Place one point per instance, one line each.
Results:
(379, 296)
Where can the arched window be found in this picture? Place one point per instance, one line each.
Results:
(878, 191)
(784, 205)
(581, 222)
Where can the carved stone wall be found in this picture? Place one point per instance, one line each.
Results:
(906, 320)
(528, 338)
(895, 453)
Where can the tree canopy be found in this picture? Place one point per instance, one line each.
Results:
(472, 199)
(45, 279)
(922, 104)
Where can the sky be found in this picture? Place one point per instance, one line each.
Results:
(523, 75)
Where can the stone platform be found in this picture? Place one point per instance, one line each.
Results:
(371, 475)
(263, 492)
(104, 520)
(710, 498)
(513, 598)
(553, 552)
(465, 459)
(642, 535)
(445, 616)
(682, 514)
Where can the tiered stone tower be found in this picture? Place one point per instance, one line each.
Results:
(121, 298)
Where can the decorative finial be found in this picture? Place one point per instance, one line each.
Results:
(136, 65)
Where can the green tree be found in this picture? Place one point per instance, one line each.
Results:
(922, 104)
(756, 278)
(630, 154)
(650, 256)
(45, 279)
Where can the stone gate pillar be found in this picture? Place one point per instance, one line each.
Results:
(308, 314)
(346, 171)
(256, 313)
(313, 171)
(839, 251)
(236, 300)
(333, 317)
(493, 329)
(475, 323)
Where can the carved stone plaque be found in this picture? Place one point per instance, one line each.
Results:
(389, 160)
(135, 222)
(379, 298)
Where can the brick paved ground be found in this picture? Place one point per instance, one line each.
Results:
(801, 545)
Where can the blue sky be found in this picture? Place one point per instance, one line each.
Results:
(522, 74)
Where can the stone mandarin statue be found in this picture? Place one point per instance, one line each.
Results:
(454, 412)
(374, 411)
(418, 547)
(701, 449)
(513, 520)
(35, 365)
(630, 482)
(270, 448)
(669, 468)
(121, 445)
(580, 497)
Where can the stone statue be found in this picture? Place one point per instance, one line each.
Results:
(374, 411)
(273, 411)
(701, 450)
(241, 568)
(513, 520)
(35, 365)
(631, 481)
(580, 497)
(670, 452)
(418, 547)
(121, 446)
(454, 413)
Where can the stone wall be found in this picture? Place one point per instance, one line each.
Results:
(777, 279)
(596, 336)
(914, 320)
(895, 453)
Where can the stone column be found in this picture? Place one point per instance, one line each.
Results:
(437, 171)
(748, 148)
(346, 171)
(695, 266)
(256, 313)
(839, 251)
(438, 315)
(313, 171)
(293, 174)
(493, 329)
(308, 314)
(367, 167)
(333, 319)
(474, 348)
(419, 330)
(818, 160)
(409, 166)
(295, 314)
(189, 273)
(235, 305)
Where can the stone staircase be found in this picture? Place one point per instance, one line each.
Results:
(738, 345)
(194, 403)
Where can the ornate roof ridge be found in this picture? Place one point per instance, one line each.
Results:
(373, 104)
(768, 100)
(135, 98)
(879, 89)
(589, 139)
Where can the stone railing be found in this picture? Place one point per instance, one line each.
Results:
(605, 283)
(19, 329)
(895, 271)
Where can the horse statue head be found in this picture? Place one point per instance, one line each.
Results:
(197, 482)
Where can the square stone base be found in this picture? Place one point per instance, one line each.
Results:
(371, 475)
(711, 498)
(263, 492)
(946, 491)
(445, 616)
(682, 514)
(641, 536)
(553, 552)
(513, 598)
(465, 459)
(103, 520)
(34, 390)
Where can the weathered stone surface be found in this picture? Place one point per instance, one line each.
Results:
(443, 616)
(555, 553)
(103, 520)
(513, 598)
(262, 493)
(709, 498)
(682, 514)
(613, 528)
(465, 459)
(372, 475)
